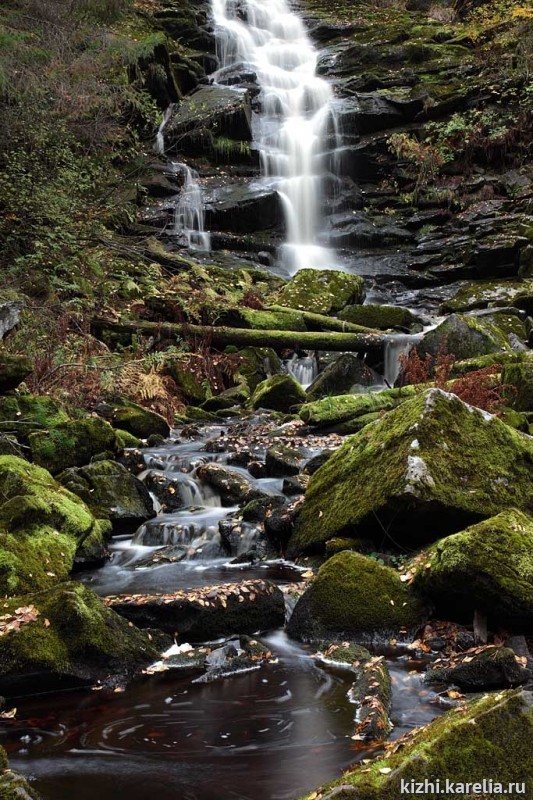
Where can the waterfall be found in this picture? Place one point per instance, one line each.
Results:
(304, 369)
(397, 347)
(296, 116)
(189, 211)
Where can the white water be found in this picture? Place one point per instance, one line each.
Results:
(296, 115)
(398, 346)
(304, 369)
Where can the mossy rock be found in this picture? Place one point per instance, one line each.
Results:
(73, 637)
(126, 440)
(425, 470)
(264, 320)
(340, 377)
(22, 414)
(492, 668)
(333, 411)
(464, 337)
(282, 460)
(12, 785)
(355, 596)
(13, 370)
(278, 393)
(490, 360)
(379, 317)
(488, 739)
(518, 378)
(321, 291)
(488, 567)
(486, 294)
(258, 364)
(72, 444)
(41, 526)
(134, 419)
(338, 544)
(111, 492)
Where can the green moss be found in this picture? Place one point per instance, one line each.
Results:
(427, 469)
(321, 291)
(490, 738)
(25, 413)
(75, 634)
(15, 787)
(380, 317)
(126, 439)
(483, 294)
(72, 444)
(257, 364)
(347, 407)
(339, 543)
(264, 320)
(464, 337)
(356, 596)
(279, 393)
(519, 380)
(135, 419)
(489, 360)
(488, 566)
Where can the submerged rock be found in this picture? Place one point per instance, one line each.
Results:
(205, 614)
(355, 596)
(111, 492)
(487, 740)
(487, 567)
(426, 469)
(66, 635)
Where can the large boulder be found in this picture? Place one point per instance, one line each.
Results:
(463, 337)
(487, 567)
(379, 317)
(205, 614)
(73, 443)
(278, 393)
(66, 636)
(257, 364)
(111, 492)
(135, 419)
(41, 527)
(243, 209)
(355, 596)
(321, 291)
(426, 469)
(488, 740)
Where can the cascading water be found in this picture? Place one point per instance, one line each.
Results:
(296, 118)
(303, 368)
(397, 347)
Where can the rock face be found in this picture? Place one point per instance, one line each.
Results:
(491, 736)
(488, 567)
(111, 492)
(426, 469)
(321, 291)
(278, 393)
(41, 526)
(355, 596)
(207, 613)
(243, 209)
(66, 635)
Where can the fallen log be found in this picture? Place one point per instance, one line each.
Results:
(221, 336)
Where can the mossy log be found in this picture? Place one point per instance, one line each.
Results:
(221, 336)
(321, 322)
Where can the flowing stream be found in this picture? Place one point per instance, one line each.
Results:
(270, 734)
(296, 115)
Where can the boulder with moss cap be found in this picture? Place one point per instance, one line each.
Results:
(425, 470)
(355, 596)
(322, 291)
(278, 393)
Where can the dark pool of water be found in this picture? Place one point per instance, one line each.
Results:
(271, 734)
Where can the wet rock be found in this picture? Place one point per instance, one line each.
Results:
(487, 567)
(279, 393)
(397, 475)
(341, 377)
(490, 735)
(67, 636)
(354, 596)
(463, 337)
(492, 668)
(207, 613)
(257, 510)
(13, 370)
(318, 461)
(368, 234)
(73, 444)
(295, 485)
(258, 364)
(232, 486)
(166, 489)
(41, 527)
(243, 209)
(371, 693)
(283, 460)
(279, 524)
(111, 492)
(368, 113)
(321, 291)
(134, 418)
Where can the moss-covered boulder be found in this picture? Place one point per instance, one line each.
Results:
(22, 414)
(41, 526)
(426, 469)
(13, 370)
(355, 596)
(258, 364)
(329, 412)
(66, 635)
(111, 492)
(488, 739)
(379, 317)
(488, 567)
(518, 378)
(321, 291)
(72, 444)
(134, 418)
(232, 486)
(278, 393)
(464, 337)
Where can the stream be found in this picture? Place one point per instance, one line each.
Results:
(269, 734)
